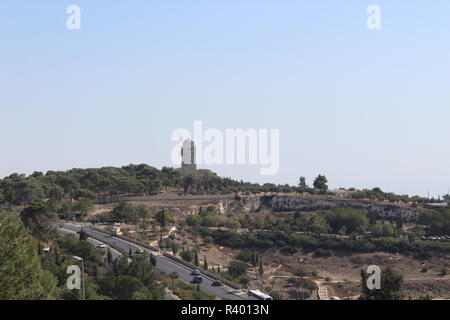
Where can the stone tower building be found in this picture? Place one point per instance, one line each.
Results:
(188, 157)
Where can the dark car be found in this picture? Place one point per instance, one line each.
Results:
(197, 279)
(217, 283)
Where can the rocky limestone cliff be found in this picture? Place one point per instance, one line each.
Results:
(276, 203)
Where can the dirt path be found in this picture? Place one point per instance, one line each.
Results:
(273, 270)
(155, 243)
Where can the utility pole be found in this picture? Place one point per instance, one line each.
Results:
(82, 275)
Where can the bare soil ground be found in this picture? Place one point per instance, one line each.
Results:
(344, 271)
(341, 272)
(180, 208)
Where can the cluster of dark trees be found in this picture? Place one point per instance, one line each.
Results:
(253, 258)
(380, 195)
(133, 280)
(124, 212)
(304, 287)
(391, 286)
(100, 184)
(21, 272)
(342, 221)
(325, 245)
(210, 218)
(109, 183)
(319, 185)
(26, 272)
(437, 223)
(237, 269)
(111, 279)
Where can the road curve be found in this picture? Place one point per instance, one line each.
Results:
(163, 263)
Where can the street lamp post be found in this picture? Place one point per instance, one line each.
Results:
(82, 274)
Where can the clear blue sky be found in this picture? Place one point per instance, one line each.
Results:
(366, 108)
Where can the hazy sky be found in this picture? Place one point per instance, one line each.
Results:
(364, 107)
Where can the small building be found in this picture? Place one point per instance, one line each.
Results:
(438, 205)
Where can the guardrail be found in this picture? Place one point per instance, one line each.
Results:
(205, 272)
(137, 242)
(171, 257)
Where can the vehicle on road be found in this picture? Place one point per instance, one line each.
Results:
(197, 279)
(217, 283)
(236, 292)
(196, 272)
(258, 294)
(101, 246)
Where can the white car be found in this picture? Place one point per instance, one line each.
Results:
(196, 272)
(236, 292)
(101, 246)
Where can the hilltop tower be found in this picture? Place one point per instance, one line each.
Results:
(188, 157)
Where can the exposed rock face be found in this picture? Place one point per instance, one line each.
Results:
(253, 204)
(275, 203)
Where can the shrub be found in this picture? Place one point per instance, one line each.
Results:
(244, 255)
(300, 273)
(325, 253)
(187, 255)
(237, 268)
(288, 250)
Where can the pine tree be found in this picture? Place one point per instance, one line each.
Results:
(391, 286)
(399, 223)
(153, 260)
(83, 235)
(21, 274)
(205, 264)
(95, 271)
(196, 259)
(39, 248)
(302, 186)
(109, 257)
(261, 269)
(254, 259)
(175, 247)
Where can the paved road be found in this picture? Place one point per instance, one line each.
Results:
(163, 263)
(115, 254)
